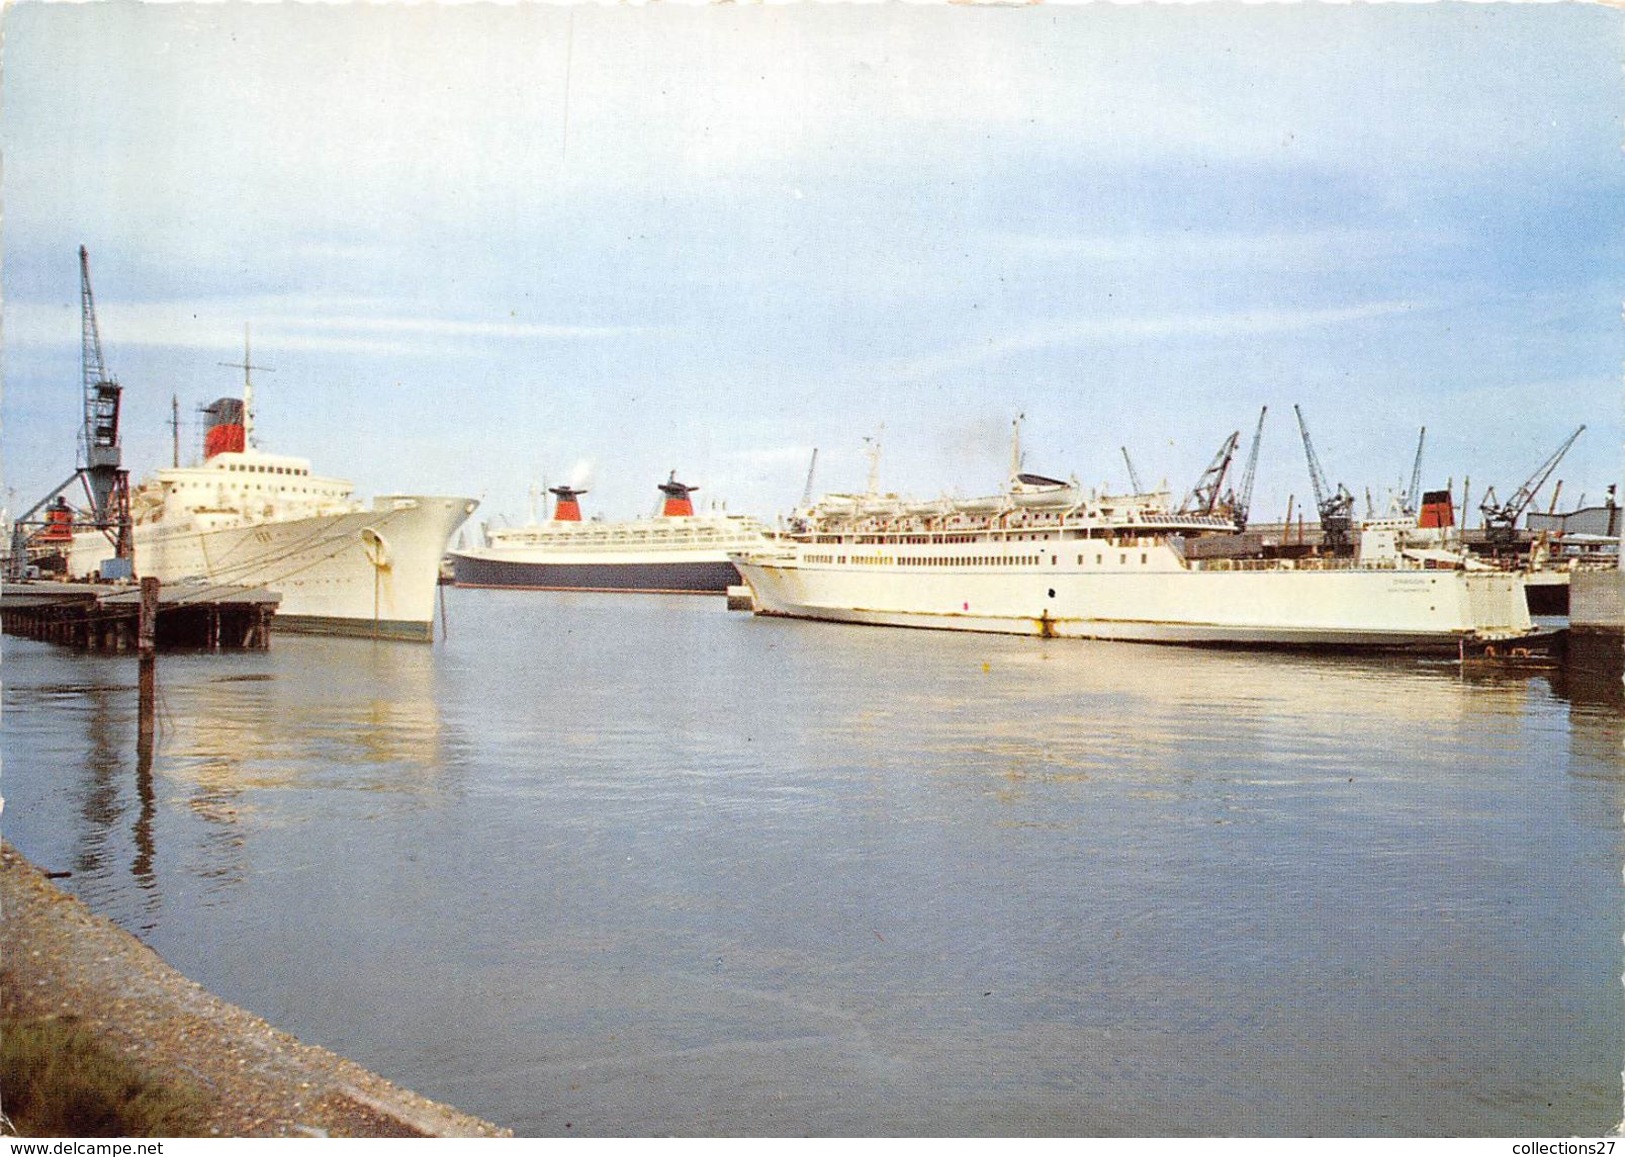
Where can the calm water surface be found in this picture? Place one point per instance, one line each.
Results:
(636, 865)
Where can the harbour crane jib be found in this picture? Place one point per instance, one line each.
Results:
(100, 470)
(1501, 518)
(1336, 507)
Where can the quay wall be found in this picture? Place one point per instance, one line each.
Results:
(1597, 600)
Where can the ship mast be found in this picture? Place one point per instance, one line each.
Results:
(874, 460)
(247, 366)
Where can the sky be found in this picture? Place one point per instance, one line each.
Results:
(483, 248)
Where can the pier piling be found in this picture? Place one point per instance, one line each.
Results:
(117, 619)
(147, 650)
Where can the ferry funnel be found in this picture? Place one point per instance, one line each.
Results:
(1437, 510)
(223, 428)
(678, 504)
(566, 508)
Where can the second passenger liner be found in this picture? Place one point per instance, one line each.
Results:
(679, 552)
(1044, 559)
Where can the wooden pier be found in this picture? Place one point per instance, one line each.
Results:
(107, 618)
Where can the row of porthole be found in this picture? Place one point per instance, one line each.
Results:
(210, 486)
(238, 468)
(972, 560)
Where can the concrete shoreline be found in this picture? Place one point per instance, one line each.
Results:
(60, 959)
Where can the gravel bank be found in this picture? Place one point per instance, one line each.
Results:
(58, 959)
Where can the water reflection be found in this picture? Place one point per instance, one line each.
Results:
(646, 867)
(101, 799)
(91, 759)
(1593, 670)
(141, 831)
(228, 738)
(347, 714)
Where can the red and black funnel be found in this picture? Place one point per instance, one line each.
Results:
(1437, 510)
(566, 509)
(58, 522)
(677, 500)
(223, 428)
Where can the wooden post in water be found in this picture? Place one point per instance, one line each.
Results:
(147, 648)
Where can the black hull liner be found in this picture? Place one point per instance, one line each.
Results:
(698, 578)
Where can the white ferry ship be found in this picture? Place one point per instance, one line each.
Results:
(1045, 559)
(676, 552)
(249, 518)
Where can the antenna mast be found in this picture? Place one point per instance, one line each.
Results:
(247, 366)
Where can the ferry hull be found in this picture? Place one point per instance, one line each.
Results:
(688, 577)
(1353, 608)
(371, 573)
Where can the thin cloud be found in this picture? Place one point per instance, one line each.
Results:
(1118, 331)
(307, 324)
(1288, 249)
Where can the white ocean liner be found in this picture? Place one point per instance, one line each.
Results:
(249, 518)
(1044, 559)
(676, 552)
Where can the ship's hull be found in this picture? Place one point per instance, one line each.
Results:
(372, 572)
(1348, 608)
(666, 576)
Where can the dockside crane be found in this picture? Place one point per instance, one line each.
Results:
(1336, 507)
(1133, 476)
(106, 483)
(1204, 496)
(1414, 494)
(1501, 518)
(807, 490)
(1240, 501)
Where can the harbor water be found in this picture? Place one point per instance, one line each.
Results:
(633, 865)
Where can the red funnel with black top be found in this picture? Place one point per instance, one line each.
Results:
(58, 522)
(566, 508)
(1437, 510)
(223, 428)
(678, 504)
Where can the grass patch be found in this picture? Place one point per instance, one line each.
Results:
(57, 1080)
